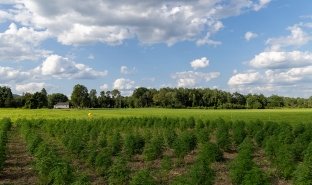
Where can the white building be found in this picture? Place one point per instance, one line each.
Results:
(62, 105)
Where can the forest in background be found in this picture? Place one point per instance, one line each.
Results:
(141, 97)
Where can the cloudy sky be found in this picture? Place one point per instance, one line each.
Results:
(249, 46)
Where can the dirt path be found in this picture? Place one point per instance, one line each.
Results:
(79, 166)
(18, 166)
(222, 176)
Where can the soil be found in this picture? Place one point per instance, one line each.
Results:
(18, 167)
(221, 169)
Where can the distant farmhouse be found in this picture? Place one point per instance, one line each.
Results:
(62, 105)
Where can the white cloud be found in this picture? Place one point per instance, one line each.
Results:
(123, 84)
(9, 74)
(269, 81)
(30, 87)
(297, 38)
(191, 78)
(19, 44)
(250, 35)
(79, 22)
(126, 71)
(200, 63)
(244, 78)
(104, 87)
(279, 59)
(60, 67)
(261, 4)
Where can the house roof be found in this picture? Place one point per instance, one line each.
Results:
(62, 103)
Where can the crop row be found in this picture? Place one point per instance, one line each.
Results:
(5, 125)
(50, 168)
(110, 146)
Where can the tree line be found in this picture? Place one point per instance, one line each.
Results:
(167, 97)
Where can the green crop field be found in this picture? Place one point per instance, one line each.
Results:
(283, 115)
(155, 146)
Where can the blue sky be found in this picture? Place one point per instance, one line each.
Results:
(249, 46)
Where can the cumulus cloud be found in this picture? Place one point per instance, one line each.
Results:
(79, 22)
(200, 63)
(126, 71)
(281, 59)
(250, 35)
(19, 44)
(9, 74)
(30, 87)
(125, 86)
(297, 38)
(61, 67)
(191, 78)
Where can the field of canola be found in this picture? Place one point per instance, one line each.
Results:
(154, 150)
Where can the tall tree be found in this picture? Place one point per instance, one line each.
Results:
(80, 96)
(93, 99)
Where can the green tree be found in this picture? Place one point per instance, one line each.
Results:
(80, 96)
(93, 98)
(56, 98)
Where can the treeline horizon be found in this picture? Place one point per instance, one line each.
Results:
(150, 97)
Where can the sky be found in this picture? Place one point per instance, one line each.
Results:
(246, 46)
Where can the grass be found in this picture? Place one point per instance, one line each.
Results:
(286, 115)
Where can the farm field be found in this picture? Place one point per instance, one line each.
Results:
(154, 150)
(281, 115)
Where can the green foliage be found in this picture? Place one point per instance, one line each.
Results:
(166, 164)
(239, 133)
(303, 174)
(243, 170)
(133, 144)
(255, 177)
(170, 136)
(115, 143)
(153, 149)
(285, 161)
(223, 137)
(103, 161)
(209, 153)
(80, 96)
(185, 143)
(199, 174)
(118, 172)
(5, 125)
(142, 177)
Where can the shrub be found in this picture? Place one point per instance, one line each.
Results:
(223, 137)
(255, 177)
(142, 177)
(133, 144)
(303, 174)
(210, 152)
(170, 136)
(285, 161)
(185, 143)
(116, 143)
(239, 132)
(199, 174)
(118, 172)
(103, 161)
(153, 149)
